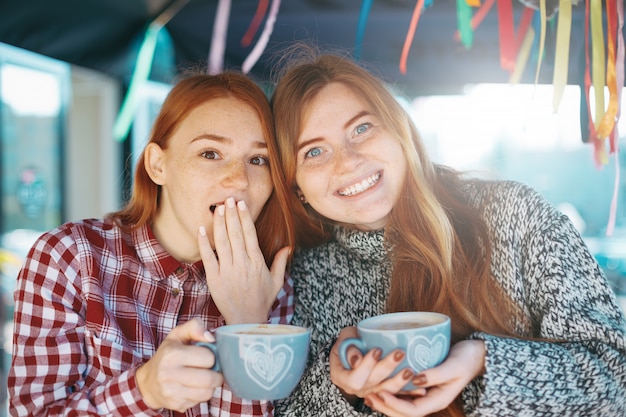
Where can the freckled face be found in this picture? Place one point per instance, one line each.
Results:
(350, 168)
(218, 151)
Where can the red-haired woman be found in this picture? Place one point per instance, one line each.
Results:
(107, 310)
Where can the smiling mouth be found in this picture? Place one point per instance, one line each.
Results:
(359, 187)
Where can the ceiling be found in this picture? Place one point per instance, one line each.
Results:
(105, 35)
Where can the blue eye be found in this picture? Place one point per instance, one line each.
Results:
(259, 160)
(362, 128)
(313, 152)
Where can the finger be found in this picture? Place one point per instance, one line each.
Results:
(248, 229)
(220, 237)
(233, 228)
(395, 383)
(391, 406)
(189, 332)
(360, 374)
(206, 252)
(386, 366)
(434, 401)
(279, 267)
(200, 357)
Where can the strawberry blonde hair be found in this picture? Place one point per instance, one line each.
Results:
(441, 250)
(274, 225)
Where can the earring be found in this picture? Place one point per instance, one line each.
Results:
(302, 199)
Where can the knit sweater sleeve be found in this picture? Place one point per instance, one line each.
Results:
(566, 298)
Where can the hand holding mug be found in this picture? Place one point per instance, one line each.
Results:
(178, 376)
(444, 383)
(424, 337)
(261, 361)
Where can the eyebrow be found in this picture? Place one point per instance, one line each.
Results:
(219, 138)
(345, 126)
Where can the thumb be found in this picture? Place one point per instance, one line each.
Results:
(279, 265)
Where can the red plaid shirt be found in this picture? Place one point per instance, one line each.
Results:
(92, 304)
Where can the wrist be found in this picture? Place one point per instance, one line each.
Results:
(141, 381)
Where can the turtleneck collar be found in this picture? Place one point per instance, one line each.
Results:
(369, 245)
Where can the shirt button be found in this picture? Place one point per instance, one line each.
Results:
(179, 270)
(176, 292)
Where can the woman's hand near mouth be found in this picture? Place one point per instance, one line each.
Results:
(241, 284)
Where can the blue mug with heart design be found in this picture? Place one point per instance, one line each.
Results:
(423, 336)
(261, 361)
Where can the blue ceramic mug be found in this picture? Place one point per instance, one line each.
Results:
(423, 336)
(261, 361)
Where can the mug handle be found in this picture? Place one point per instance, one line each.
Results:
(343, 350)
(213, 348)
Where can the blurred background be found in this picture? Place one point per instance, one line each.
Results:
(82, 80)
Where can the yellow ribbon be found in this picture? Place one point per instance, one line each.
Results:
(561, 59)
(542, 37)
(522, 56)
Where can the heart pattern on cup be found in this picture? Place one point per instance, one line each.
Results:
(268, 366)
(424, 353)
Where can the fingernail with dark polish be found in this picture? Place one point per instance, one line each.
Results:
(419, 380)
(407, 373)
(378, 353)
(398, 355)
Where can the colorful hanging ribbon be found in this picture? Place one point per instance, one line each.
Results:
(141, 72)
(561, 58)
(255, 24)
(522, 56)
(591, 138)
(614, 146)
(605, 126)
(619, 71)
(542, 37)
(477, 18)
(218, 41)
(410, 35)
(366, 6)
(598, 74)
(464, 18)
(258, 49)
(509, 39)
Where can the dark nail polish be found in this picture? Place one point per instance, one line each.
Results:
(378, 353)
(398, 356)
(419, 380)
(407, 373)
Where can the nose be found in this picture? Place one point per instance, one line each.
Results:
(235, 176)
(347, 158)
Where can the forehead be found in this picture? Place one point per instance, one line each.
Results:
(332, 100)
(223, 116)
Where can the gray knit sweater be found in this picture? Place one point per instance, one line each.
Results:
(543, 263)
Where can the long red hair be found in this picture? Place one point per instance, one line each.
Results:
(274, 225)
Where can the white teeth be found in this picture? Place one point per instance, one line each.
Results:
(361, 186)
